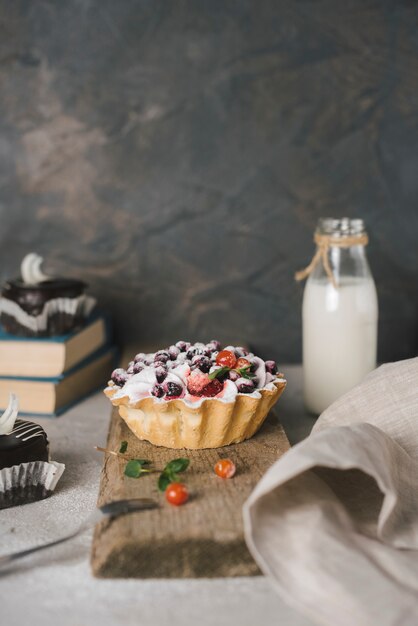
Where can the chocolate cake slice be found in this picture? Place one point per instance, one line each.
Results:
(26, 474)
(27, 442)
(24, 303)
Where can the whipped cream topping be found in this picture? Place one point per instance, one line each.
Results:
(193, 373)
(30, 269)
(7, 420)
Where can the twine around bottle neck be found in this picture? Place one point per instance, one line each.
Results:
(323, 244)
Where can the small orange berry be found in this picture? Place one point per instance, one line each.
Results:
(176, 493)
(225, 468)
(226, 358)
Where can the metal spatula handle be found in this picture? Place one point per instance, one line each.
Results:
(112, 509)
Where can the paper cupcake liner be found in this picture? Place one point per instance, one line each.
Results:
(63, 310)
(28, 482)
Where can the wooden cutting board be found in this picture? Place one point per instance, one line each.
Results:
(203, 538)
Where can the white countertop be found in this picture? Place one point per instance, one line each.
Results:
(61, 590)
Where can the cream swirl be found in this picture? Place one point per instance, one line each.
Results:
(7, 420)
(30, 269)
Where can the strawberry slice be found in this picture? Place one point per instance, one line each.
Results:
(196, 382)
(199, 384)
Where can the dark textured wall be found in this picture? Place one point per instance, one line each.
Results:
(178, 154)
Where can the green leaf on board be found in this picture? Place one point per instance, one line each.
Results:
(135, 467)
(123, 447)
(163, 481)
(177, 465)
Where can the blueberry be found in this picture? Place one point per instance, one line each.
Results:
(271, 367)
(173, 390)
(191, 352)
(194, 351)
(213, 345)
(157, 391)
(161, 355)
(138, 367)
(160, 364)
(119, 377)
(245, 386)
(233, 376)
(173, 352)
(130, 368)
(202, 363)
(160, 373)
(183, 345)
(140, 357)
(180, 359)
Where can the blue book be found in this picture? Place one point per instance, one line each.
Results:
(51, 396)
(52, 356)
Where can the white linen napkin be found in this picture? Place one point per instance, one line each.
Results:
(334, 522)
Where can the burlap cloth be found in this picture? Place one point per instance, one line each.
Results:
(334, 523)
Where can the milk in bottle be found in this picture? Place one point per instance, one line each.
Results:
(339, 314)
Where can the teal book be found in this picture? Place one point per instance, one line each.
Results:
(51, 396)
(52, 356)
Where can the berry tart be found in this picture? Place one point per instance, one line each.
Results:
(36, 305)
(195, 395)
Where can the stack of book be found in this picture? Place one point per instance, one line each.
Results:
(51, 374)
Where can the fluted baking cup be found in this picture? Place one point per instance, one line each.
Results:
(27, 482)
(212, 424)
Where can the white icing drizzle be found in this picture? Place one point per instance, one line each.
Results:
(8, 419)
(30, 269)
(9, 425)
(27, 430)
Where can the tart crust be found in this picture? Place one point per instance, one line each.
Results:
(212, 424)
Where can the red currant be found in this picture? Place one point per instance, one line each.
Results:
(176, 493)
(242, 363)
(226, 358)
(225, 468)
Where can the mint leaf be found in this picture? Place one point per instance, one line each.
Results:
(134, 467)
(163, 481)
(245, 372)
(219, 372)
(123, 447)
(170, 474)
(177, 465)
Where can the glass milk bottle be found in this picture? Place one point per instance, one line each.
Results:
(339, 313)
